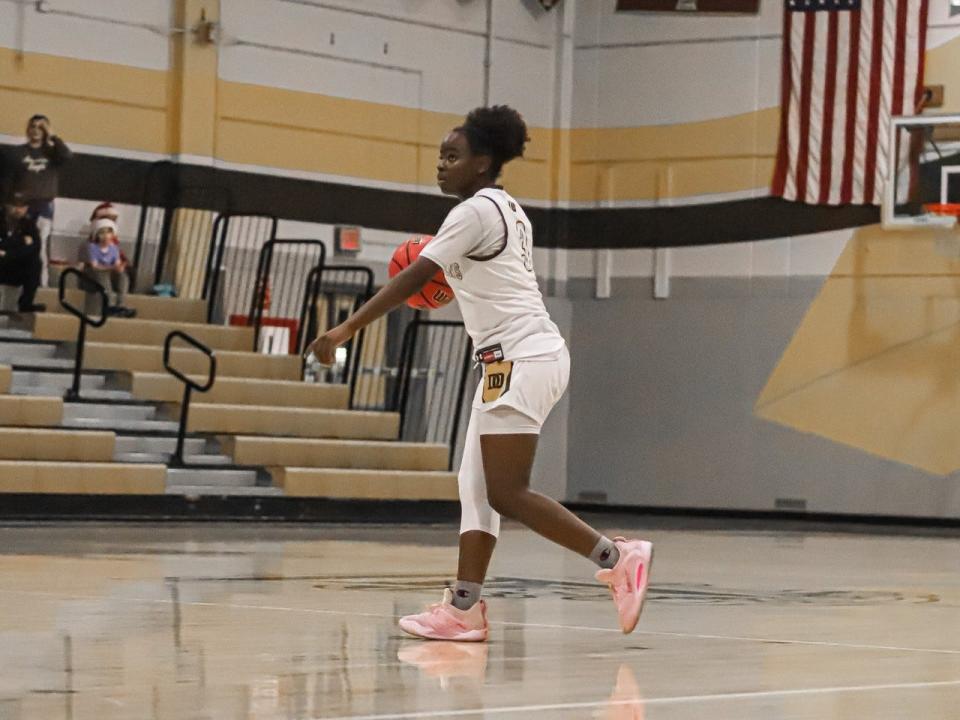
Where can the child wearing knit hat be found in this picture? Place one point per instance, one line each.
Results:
(105, 264)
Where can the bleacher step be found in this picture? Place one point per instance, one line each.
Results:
(148, 307)
(26, 352)
(149, 358)
(14, 334)
(164, 458)
(293, 422)
(158, 445)
(366, 484)
(122, 424)
(24, 476)
(359, 454)
(55, 445)
(26, 378)
(108, 411)
(220, 491)
(206, 476)
(162, 387)
(86, 393)
(56, 326)
(40, 363)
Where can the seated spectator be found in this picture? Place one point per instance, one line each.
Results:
(20, 263)
(109, 211)
(104, 264)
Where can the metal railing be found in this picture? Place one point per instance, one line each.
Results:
(189, 385)
(173, 228)
(435, 363)
(86, 284)
(235, 244)
(336, 291)
(283, 271)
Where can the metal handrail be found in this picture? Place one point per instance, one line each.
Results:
(189, 385)
(163, 188)
(454, 431)
(310, 299)
(85, 282)
(211, 278)
(264, 264)
(218, 246)
(407, 356)
(144, 204)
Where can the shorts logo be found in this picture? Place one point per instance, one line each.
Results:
(454, 271)
(496, 380)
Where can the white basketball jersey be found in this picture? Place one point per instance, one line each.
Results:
(497, 291)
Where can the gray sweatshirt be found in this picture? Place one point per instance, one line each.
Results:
(36, 171)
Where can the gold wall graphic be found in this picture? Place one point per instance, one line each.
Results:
(875, 364)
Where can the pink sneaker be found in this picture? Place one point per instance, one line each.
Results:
(628, 580)
(442, 621)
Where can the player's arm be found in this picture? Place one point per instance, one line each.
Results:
(403, 285)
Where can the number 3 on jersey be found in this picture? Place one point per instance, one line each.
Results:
(526, 252)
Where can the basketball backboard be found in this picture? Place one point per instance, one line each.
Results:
(923, 171)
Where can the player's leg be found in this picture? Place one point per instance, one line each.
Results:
(479, 523)
(508, 445)
(461, 615)
(508, 462)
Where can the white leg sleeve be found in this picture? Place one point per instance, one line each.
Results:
(475, 511)
(45, 228)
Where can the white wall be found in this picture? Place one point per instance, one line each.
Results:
(426, 56)
(660, 68)
(942, 26)
(123, 32)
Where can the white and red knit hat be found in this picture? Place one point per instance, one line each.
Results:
(105, 210)
(103, 223)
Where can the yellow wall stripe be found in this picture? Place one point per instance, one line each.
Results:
(119, 106)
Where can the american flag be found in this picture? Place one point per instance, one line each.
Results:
(848, 66)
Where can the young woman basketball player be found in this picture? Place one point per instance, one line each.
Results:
(485, 249)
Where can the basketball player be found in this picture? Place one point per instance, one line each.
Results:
(485, 249)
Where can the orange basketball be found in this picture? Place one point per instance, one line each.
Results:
(436, 293)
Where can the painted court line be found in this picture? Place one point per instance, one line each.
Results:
(541, 626)
(644, 703)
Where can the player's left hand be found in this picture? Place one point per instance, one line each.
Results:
(325, 346)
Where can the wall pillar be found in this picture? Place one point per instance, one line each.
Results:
(192, 117)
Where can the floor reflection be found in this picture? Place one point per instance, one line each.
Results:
(626, 703)
(446, 661)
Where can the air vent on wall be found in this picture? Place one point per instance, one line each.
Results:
(795, 504)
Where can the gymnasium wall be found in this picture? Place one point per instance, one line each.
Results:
(336, 95)
(652, 144)
(810, 372)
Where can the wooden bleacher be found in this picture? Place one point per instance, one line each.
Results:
(36, 458)
(259, 410)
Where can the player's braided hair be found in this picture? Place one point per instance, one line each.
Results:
(498, 131)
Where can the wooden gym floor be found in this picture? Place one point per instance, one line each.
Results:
(223, 622)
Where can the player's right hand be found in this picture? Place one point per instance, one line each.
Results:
(325, 346)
